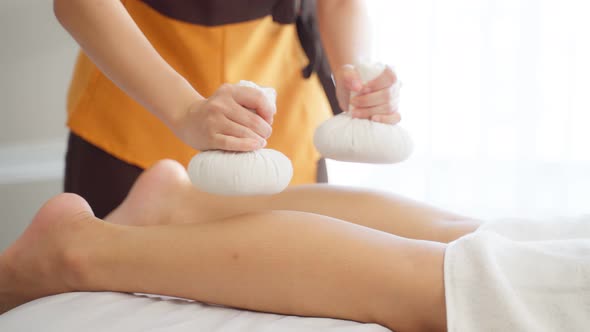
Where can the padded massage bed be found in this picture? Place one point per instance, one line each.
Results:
(117, 312)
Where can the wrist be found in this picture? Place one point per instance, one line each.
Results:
(179, 120)
(174, 114)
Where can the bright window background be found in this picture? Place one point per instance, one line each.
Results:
(496, 98)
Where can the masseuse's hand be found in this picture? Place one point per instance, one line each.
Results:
(234, 118)
(377, 100)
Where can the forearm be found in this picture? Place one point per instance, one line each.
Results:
(110, 37)
(345, 31)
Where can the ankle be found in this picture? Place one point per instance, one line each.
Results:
(75, 255)
(7, 269)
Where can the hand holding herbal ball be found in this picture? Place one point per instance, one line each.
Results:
(346, 138)
(258, 172)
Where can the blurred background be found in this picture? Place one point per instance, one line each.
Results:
(496, 97)
(36, 61)
(495, 94)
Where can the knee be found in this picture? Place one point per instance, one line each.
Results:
(451, 230)
(169, 169)
(419, 289)
(169, 165)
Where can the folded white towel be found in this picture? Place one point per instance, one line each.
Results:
(520, 276)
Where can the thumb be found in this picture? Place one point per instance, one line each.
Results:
(350, 78)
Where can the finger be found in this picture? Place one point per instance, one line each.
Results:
(367, 112)
(237, 130)
(255, 100)
(391, 119)
(231, 143)
(372, 99)
(350, 78)
(249, 119)
(384, 81)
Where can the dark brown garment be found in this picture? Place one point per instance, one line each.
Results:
(309, 36)
(220, 12)
(101, 179)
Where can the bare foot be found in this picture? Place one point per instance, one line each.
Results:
(42, 261)
(163, 194)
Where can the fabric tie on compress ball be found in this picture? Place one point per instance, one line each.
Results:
(260, 172)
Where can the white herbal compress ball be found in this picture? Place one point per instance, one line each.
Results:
(361, 140)
(263, 171)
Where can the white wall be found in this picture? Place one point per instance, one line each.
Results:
(36, 61)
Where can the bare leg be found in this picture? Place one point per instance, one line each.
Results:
(378, 210)
(167, 184)
(283, 261)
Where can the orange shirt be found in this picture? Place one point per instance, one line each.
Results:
(258, 50)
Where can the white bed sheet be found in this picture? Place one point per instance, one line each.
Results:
(116, 312)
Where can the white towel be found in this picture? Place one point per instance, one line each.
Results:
(520, 276)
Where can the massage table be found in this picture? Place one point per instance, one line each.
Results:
(118, 312)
